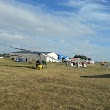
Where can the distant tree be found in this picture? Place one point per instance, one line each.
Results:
(7, 55)
(76, 56)
(89, 59)
(81, 56)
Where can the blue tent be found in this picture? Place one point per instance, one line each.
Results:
(61, 57)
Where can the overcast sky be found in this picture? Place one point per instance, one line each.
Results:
(67, 27)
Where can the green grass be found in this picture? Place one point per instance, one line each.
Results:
(56, 87)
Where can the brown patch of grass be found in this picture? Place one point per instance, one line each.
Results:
(56, 87)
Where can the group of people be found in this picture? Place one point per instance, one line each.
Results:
(71, 63)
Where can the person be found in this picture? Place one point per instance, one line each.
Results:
(71, 64)
(26, 59)
(38, 62)
(39, 66)
(82, 64)
(43, 63)
(30, 60)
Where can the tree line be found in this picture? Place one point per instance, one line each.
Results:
(82, 57)
(5, 55)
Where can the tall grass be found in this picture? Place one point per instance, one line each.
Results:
(56, 87)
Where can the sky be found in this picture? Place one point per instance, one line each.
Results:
(67, 27)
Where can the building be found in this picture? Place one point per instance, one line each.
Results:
(27, 55)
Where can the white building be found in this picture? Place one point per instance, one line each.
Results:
(46, 56)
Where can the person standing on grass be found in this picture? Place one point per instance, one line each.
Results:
(38, 62)
(26, 59)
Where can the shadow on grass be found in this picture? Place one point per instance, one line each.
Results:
(20, 66)
(97, 76)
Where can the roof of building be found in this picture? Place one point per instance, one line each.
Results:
(33, 52)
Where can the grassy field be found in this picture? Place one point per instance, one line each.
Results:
(56, 87)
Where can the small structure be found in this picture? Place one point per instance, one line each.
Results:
(62, 57)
